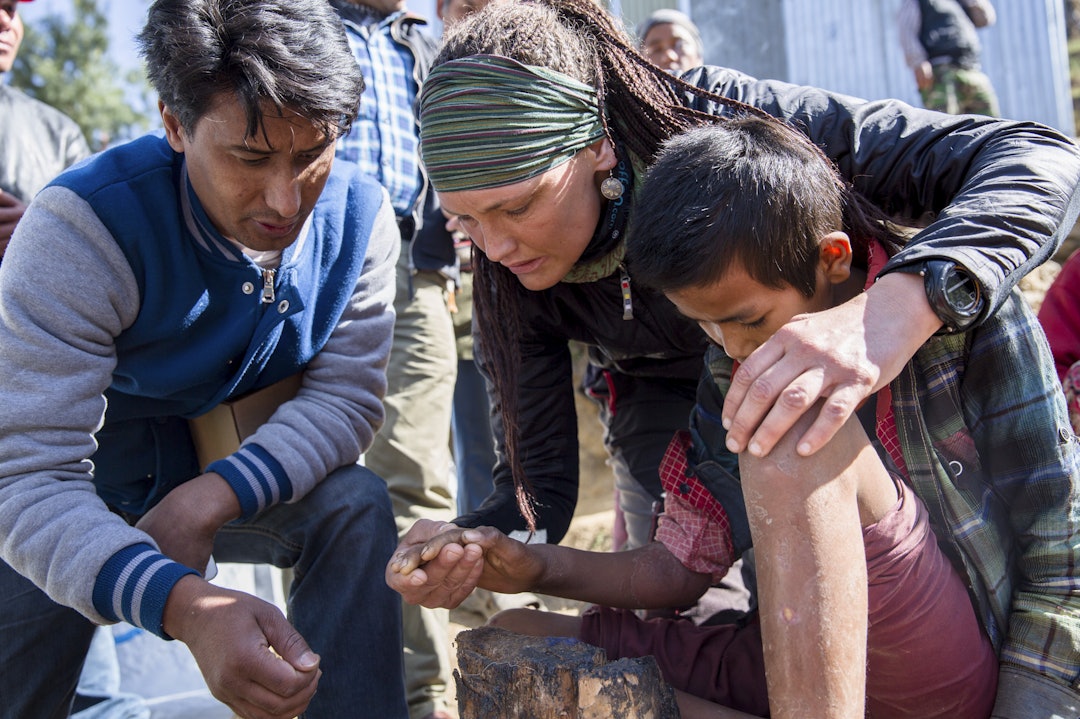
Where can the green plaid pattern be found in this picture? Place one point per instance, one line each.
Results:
(990, 450)
(982, 421)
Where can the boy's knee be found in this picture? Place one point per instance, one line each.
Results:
(536, 622)
(514, 620)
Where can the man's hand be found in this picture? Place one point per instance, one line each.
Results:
(185, 521)
(843, 355)
(253, 660)
(924, 75)
(11, 211)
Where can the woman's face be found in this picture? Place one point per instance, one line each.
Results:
(537, 228)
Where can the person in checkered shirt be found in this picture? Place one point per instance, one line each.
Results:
(892, 579)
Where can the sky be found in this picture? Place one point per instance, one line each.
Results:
(126, 18)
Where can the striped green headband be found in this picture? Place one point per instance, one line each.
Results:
(488, 121)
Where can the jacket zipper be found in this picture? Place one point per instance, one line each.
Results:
(268, 287)
(627, 300)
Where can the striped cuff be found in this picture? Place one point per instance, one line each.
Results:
(134, 585)
(256, 477)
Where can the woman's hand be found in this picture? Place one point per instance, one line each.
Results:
(842, 355)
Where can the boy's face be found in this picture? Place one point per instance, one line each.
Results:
(256, 190)
(739, 313)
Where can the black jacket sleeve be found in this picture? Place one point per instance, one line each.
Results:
(996, 196)
(549, 444)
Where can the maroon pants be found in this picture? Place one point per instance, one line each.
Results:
(927, 655)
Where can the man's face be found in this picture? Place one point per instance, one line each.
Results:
(672, 47)
(256, 190)
(450, 11)
(387, 7)
(11, 33)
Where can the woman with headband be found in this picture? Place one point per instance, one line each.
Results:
(536, 123)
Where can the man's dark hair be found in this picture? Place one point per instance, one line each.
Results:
(288, 53)
(749, 191)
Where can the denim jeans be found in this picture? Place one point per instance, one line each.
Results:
(337, 539)
(474, 445)
(412, 454)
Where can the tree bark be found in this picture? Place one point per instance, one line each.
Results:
(503, 675)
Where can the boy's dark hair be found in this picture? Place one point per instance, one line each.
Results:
(288, 53)
(749, 191)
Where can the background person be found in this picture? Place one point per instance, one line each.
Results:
(411, 451)
(145, 287)
(37, 141)
(942, 49)
(671, 41)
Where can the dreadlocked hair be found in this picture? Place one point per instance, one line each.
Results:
(640, 108)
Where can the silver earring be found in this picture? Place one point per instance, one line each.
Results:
(611, 188)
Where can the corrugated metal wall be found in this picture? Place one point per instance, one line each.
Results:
(1026, 56)
(851, 46)
(848, 46)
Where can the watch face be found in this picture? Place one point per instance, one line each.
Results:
(961, 292)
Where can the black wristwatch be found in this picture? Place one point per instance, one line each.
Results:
(953, 293)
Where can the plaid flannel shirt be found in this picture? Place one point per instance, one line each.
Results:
(986, 437)
(384, 138)
(989, 448)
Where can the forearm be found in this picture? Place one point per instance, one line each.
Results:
(1003, 194)
(898, 302)
(812, 579)
(66, 295)
(1002, 218)
(645, 578)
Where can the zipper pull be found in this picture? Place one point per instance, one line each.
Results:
(627, 301)
(268, 287)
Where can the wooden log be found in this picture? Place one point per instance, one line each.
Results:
(503, 675)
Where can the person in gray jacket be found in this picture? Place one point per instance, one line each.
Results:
(36, 141)
(150, 285)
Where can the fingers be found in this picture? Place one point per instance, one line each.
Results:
(459, 581)
(408, 581)
(833, 414)
(258, 702)
(408, 558)
(288, 644)
(766, 399)
(444, 581)
(285, 675)
(257, 663)
(767, 415)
